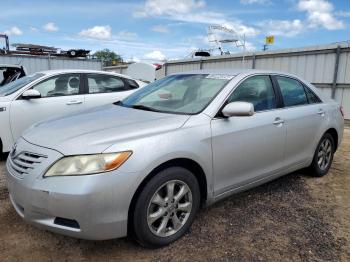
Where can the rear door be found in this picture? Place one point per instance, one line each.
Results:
(104, 89)
(246, 149)
(60, 95)
(304, 115)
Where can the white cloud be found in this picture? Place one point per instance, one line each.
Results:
(343, 13)
(320, 14)
(98, 32)
(249, 2)
(155, 55)
(50, 27)
(14, 31)
(132, 59)
(168, 7)
(126, 35)
(192, 11)
(160, 29)
(34, 29)
(249, 46)
(283, 27)
(242, 29)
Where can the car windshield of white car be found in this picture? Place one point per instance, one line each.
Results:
(178, 94)
(14, 86)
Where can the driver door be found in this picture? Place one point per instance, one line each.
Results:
(248, 148)
(60, 95)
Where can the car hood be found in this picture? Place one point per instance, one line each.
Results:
(95, 130)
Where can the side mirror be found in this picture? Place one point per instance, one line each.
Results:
(238, 109)
(31, 94)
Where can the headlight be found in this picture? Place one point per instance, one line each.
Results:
(88, 164)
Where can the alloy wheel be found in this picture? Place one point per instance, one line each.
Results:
(169, 208)
(324, 154)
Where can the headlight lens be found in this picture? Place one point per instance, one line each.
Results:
(88, 164)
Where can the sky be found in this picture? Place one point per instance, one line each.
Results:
(158, 30)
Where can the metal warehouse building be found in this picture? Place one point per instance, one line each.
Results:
(40, 63)
(327, 67)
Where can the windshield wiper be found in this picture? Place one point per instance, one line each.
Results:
(146, 108)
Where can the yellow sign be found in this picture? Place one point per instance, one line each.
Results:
(270, 40)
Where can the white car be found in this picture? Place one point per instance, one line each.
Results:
(47, 94)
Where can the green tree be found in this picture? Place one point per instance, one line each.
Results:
(108, 57)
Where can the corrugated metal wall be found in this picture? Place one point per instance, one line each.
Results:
(40, 63)
(328, 67)
(119, 69)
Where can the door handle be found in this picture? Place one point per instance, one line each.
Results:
(278, 121)
(76, 102)
(321, 112)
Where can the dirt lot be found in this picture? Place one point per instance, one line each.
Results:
(296, 217)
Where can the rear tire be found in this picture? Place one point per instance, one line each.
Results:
(166, 207)
(323, 156)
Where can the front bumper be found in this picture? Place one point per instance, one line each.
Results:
(91, 207)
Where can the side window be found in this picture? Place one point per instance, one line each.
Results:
(61, 85)
(311, 97)
(99, 83)
(132, 84)
(257, 90)
(292, 91)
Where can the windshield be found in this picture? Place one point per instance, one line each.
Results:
(181, 94)
(12, 87)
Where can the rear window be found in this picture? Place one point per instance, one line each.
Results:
(293, 92)
(100, 83)
(132, 83)
(311, 97)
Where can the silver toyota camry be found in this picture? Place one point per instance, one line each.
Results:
(144, 166)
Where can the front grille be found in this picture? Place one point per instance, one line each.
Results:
(23, 162)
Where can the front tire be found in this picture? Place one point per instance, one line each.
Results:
(323, 156)
(166, 207)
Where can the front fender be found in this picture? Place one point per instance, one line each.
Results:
(193, 143)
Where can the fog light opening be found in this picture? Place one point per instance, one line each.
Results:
(66, 222)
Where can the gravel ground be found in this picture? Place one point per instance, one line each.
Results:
(294, 218)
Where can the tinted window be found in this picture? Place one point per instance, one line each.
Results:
(132, 83)
(99, 83)
(311, 97)
(292, 91)
(257, 90)
(61, 85)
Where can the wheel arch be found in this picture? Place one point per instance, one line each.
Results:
(186, 163)
(333, 132)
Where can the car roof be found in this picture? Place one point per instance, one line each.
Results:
(234, 72)
(86, 71)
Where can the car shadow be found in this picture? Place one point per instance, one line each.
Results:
(281, 211)
(278, 219)
(3, 156)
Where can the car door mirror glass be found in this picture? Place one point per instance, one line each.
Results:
(238, 109)
(31, 94)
